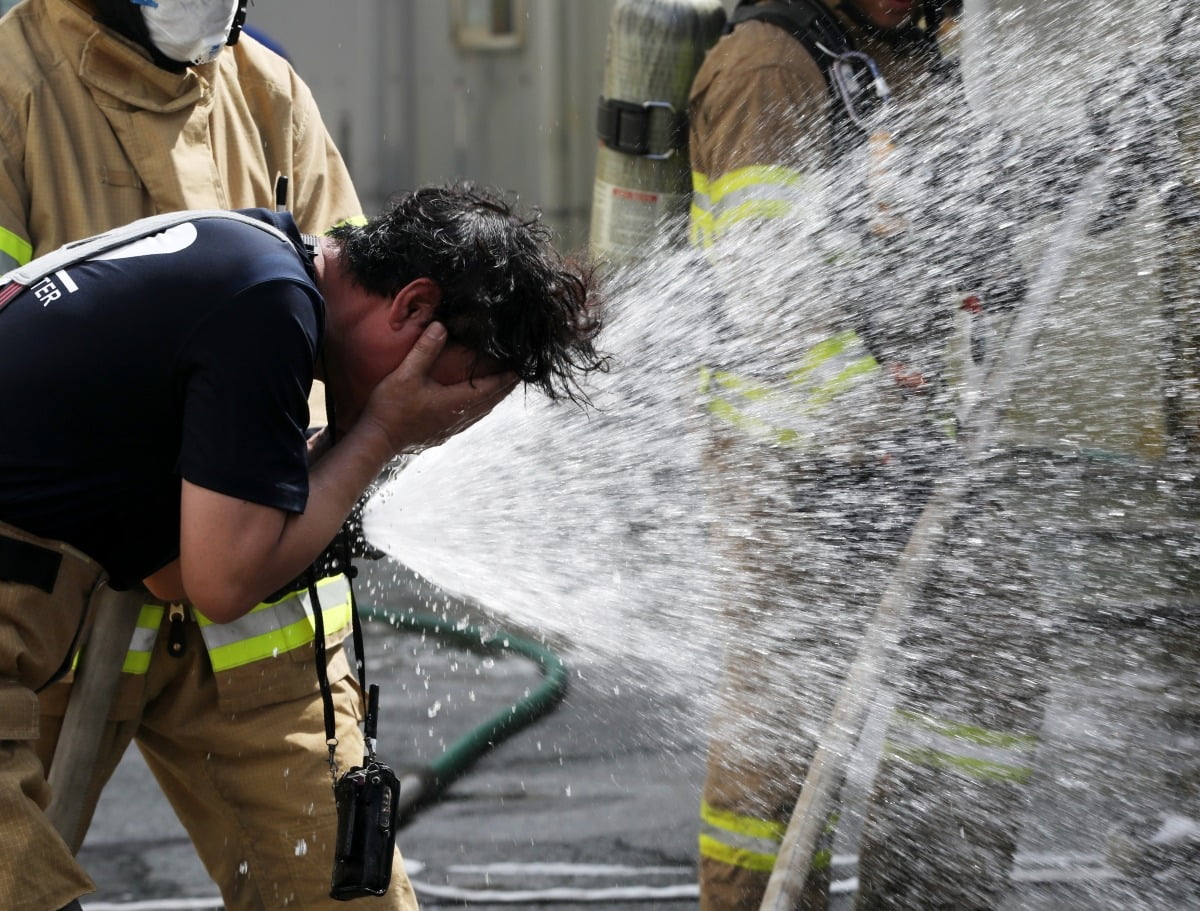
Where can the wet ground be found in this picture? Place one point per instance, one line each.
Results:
(594, 805)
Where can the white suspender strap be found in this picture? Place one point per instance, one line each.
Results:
(80, 250)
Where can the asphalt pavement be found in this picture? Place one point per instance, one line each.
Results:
(591, 805)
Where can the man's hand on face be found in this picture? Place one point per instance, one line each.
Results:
(415, 411)
(234, 552)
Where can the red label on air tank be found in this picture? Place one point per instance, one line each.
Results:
(635, 195)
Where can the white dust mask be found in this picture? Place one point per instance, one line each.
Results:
(190, 31)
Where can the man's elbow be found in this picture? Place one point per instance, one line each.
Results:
(218, 602)
(168, 584)
(221, 611)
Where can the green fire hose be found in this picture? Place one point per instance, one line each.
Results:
(420, 786)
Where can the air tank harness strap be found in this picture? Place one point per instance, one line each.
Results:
(625, 126)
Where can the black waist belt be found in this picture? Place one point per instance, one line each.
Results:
(28, 564)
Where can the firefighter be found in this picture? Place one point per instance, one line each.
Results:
(184, 426)
(825, 441)
(110, 111)
(135, 132)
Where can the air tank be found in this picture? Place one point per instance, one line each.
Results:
(643, 179)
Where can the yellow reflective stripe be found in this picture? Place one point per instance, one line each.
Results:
(728, 412)
(700, 232)
(761, 209)
(802, 401)
(749, 826)
(822, 351)
(736, 857)
(740, 385)
(706, 228)
(276, 627)
(760, 192)
(357, 220)
(742, 178)
(972, 750)
(752, 426)
(141, 643)
(816, 356)
(749, 842)
(136, 663)
(697, 235)
(14, 247)
(835, 386)
(982, 769)
(141, 646)
(970, 732)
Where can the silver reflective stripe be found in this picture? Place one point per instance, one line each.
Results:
(271, 618)
(968, 749)
(771, 193)
(740, 841)
(143, 638)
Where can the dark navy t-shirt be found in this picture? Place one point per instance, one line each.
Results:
(188, 354)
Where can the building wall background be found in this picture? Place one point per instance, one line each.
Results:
(409, 103)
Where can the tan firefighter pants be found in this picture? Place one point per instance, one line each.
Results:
(809, 560)
(803, 555)
(45, 588)
(252, 787)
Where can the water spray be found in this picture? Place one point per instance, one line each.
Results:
(862, 689)
(420, 786)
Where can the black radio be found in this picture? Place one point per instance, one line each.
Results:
(368, 801)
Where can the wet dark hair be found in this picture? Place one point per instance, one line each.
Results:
(506, 291)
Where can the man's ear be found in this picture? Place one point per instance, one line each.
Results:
(417, 301)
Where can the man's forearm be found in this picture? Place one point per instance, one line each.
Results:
(235, 553)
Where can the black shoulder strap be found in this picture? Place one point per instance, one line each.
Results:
(808, 21)
(812, 24)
